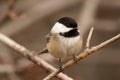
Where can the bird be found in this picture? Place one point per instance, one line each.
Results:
(64, 39)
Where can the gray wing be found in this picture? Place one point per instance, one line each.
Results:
(47, 37)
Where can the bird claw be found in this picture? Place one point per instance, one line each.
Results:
(61, 69)
(74, 59)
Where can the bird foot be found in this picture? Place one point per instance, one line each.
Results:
(74, 59)
(61, 69)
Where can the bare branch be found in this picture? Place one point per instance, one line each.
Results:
(42, 51)
(29, 54)
(84, 55)
(89, 38)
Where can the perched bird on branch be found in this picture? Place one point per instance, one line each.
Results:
(64, 39)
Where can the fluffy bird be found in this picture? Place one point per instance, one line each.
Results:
(64, 39)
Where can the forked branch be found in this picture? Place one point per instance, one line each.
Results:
(30, 55)
(89, 38)
(84, 54)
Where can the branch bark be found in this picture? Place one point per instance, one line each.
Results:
(83, 55)
(30, 55)
(89, 38)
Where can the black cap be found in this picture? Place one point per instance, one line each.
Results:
(68, 22)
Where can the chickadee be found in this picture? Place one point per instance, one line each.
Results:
(64, 39)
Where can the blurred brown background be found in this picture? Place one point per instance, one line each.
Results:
(28, 21)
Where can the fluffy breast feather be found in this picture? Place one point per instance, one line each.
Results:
(60, 46)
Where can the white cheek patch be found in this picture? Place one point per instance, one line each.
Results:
(58, 27)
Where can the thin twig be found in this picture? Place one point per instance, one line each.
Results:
(84, 55)
(42, 51)
(29, 54)
(89, 38)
